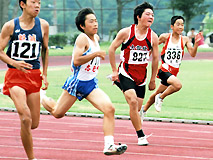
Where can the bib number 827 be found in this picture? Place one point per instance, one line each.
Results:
(138, 57)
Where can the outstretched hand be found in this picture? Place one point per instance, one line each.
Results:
(198, 37)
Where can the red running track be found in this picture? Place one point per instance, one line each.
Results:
(77, 138)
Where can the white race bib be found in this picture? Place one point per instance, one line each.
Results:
(173, 57)
(25, 50)
(138, 57)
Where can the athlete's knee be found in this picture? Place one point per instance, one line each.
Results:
(109, 109)
(57, 115)
(34, 125)
(26, 120)
(133, 103)
(178, 86)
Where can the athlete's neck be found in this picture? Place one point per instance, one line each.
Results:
(91, 36)
(140, 32)
(175, 35)
(26, 22)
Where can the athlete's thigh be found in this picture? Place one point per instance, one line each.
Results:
(173, 80)
(99, 99)
(64, 103)
(33, 102)
(18, 95)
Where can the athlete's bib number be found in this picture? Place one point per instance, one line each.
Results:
(173, 57)
(25, 50)
(138, 57)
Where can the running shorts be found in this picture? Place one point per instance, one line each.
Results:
(127, 83)
(31, 82)
(78, 88)
(165, 71)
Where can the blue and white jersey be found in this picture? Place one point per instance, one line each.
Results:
(88, 70)
(25, 45)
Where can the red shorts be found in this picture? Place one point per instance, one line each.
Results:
(31, 82)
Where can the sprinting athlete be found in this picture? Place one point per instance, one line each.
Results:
(84, 84)
(171, 57)
(138, 42)
(23, 80)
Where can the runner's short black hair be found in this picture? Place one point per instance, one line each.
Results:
(81, 17)
(175, 18)
(138, 11)
(25, 1)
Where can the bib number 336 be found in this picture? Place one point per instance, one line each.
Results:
(25, 50)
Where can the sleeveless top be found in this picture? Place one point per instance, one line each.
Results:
(136, 51)
(25, 45)
(172, 54)
(88, 70)
(134, 56)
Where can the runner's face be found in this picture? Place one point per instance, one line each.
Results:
(33, 7)
(91, 24)
(178, 26)
(147, 17)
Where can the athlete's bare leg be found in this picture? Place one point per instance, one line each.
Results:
(18, 95)
(151, 99)
(175, 85)
(59, 108)
(132, 100)
(104, 104)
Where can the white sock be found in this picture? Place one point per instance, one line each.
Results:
(108, 140)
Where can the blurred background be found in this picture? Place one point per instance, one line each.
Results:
(113, 15)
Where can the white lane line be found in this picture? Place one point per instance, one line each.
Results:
(117, 126)
(95, 151)
(95, 141)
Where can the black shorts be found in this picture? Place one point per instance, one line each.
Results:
(164, 77)
(127, 84)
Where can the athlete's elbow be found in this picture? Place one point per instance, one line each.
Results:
(76, 63)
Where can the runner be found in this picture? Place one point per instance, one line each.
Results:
(138, 43)
(23, 79)
(171, 56)
(83, 83)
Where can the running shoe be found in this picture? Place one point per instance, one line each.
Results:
(115, 149)
(142, 141)
(142, 114)
(158, 102)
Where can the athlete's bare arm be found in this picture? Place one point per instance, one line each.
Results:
(121, 37)
(192, 50)
(163, 38)
(6, 33)
(155, 59)
(45, 51)
(82, 45)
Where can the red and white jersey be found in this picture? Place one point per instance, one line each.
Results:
(136, 51)
(172, 54)
(134, 56)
